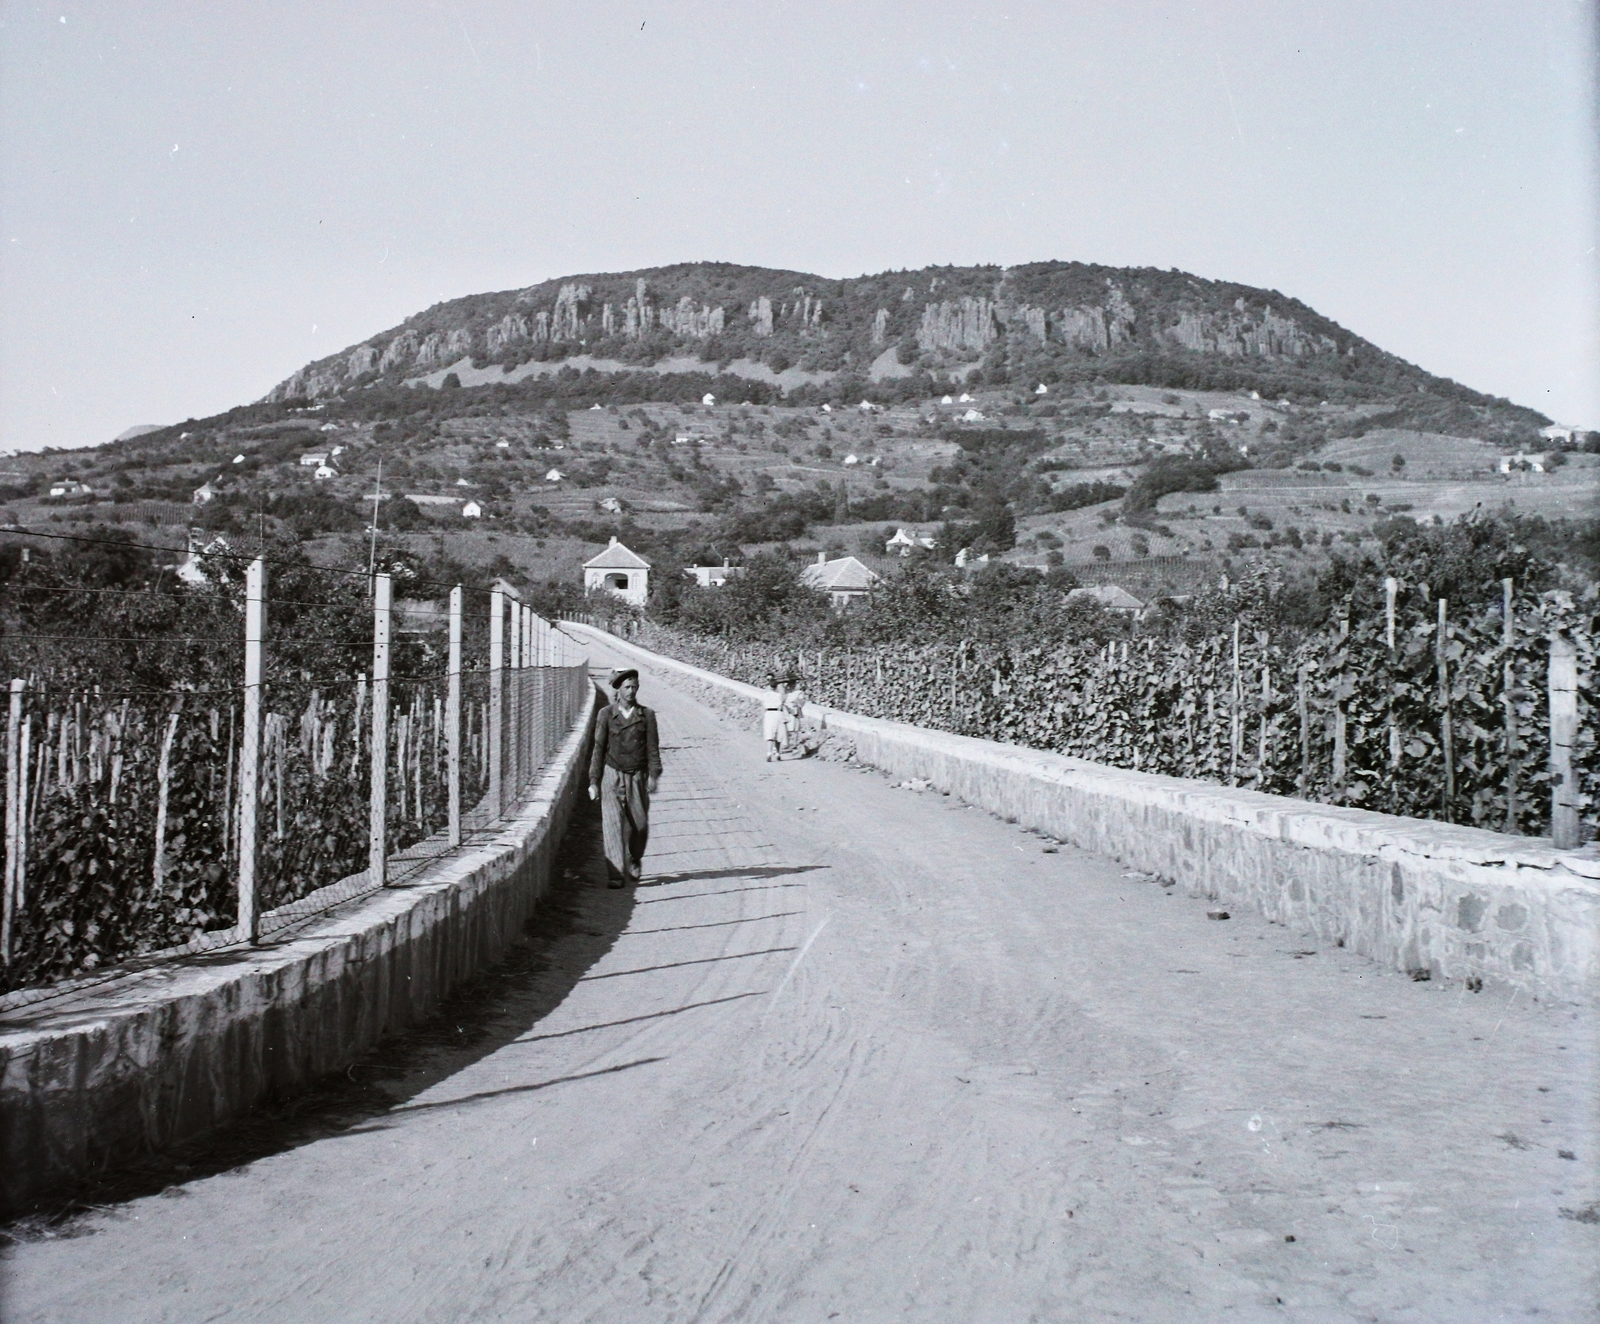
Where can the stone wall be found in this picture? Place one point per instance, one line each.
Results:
(143, 1061)
(1433, 899)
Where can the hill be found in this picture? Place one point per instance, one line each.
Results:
(1050, 322)
(1057, 415)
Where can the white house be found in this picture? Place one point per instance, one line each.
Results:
(554, 476)
(429, 499)
(713, 576)
(207, 490)
(843, 579)
(311, 459)
(472, 510)
(325, 471)
(614, 505)
(70, 487)
(329, 427)
(971, 416)
(827, 409)
(1555, 432)
(850, 460)
(906, 540)
(462, 482)
(947, 401)
(867, 407)
(502, 445)
(1508, 463)
(965, 399)
(618, 571)
(336, 452)
(1041, 389)
(964, 558)
(708, 399)
(238, 459)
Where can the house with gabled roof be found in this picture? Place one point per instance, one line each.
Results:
(843, 579)
(618, 571)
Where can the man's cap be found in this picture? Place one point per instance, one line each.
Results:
(617, 677)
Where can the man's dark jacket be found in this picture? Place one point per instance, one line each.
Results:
(628, 744)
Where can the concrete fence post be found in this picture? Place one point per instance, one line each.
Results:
(516, 700)
(497, 701)
(452, 718)
(16, 792)
(1446, 731)
(255, 623)
(1508, 685)
(378, 814)
(1391, 588)
(1565, 831)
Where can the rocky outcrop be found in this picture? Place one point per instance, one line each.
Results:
(1245, 333)
(509, 331)
(401, 352)
(958, 325)
(880, 326)
(362, 359)
(696, 320)
(761, 316)
(572, 307)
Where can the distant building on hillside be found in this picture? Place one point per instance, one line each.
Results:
(843, 580)
(618, 571)
(1112, 597)
(614, 505)
(554, 476)
(906, 541)
(713, 576)
(325, 471)
(1520, 463)
(208, 489)
(472, 510)
(70, 487)
(311, 459)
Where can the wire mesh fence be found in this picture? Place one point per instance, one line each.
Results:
(278, 780)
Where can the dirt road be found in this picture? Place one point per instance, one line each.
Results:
(859, 1053)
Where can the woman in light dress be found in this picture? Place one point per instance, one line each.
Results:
(773, 717)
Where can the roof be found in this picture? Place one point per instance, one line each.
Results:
(1109, 595)
(838, 576)
(617, 557)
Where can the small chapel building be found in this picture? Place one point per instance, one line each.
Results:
(619, 571)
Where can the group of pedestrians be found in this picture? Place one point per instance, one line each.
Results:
(782, 707)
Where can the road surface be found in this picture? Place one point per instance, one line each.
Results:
(859, 1053)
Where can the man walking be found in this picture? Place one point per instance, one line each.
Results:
(624, 771)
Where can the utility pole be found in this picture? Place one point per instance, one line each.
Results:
(372, 555)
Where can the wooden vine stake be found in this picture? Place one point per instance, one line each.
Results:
(16, 783)
(1508, 628)
(255, 621)
(1446, 734)
(1235, 716)
(1565, 832)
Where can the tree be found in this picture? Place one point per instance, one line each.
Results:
(1101, 552)
(1398, 463)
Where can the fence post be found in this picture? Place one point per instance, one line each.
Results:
(1341, 749)
(255, 623)
(452, 717)
(1391, 587)
(497, 701)
(378, 834)
(15, 786)
(516, 699)
(1508, 637)
(1304, 713)
(1235, 717)
(1445, 731)
(1564, 827)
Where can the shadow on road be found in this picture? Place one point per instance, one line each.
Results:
(575, 925)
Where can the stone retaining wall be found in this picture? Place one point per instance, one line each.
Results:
(95, 1077)
(1433, 899)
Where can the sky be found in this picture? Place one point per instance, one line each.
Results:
(197, 199)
